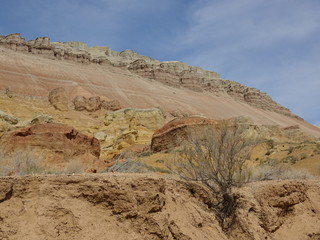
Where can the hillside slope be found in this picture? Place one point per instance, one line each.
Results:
(35, 68)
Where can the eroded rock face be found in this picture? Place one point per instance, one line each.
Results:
(178, 74)
(277, 210)
(93, 104)
(40, 45)
(148, 207)
(130, 126)
(177, 131)
(175, 74)
(58, 139)
(127, 206)
(58, 99)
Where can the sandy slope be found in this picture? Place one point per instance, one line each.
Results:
(35, 75)
(133, 206)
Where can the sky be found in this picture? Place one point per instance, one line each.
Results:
(271, 45)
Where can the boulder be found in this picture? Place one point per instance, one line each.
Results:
(113, 105)
(80, 103)
(93, 104)
(178, 130)
(58, 99)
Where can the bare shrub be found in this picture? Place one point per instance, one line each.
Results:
(290, 149)
(216, 157)
(20, 163)
(275, 170)
(74, 166)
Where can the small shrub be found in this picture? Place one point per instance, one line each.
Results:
(316, 151)
(73, 166)
(303, 156)
(145, 154)
(278, 171)
(290, 149)
(293, 159)
(131, 166)
(21, 163)
(269, 152)
(270, 143)
(286, 160)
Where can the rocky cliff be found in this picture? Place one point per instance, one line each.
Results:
(175, 74)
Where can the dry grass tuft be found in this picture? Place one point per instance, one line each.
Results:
(20, 163)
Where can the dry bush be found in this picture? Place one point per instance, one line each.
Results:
(20, 163)
(74, 166)
(216, 157)
(275, 170)
(132, 166)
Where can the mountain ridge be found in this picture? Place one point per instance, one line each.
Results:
(172, 73)
(33, 68)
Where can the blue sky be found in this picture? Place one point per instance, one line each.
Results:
(272, 45)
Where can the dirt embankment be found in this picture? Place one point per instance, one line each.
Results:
(133, 206)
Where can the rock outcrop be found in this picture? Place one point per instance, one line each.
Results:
(58, 98)
(40, 45)
(41, 119)
(130, 126)
(93, 104)
(175, 132)
(55, 137)
(57, 144)
(179, 74)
